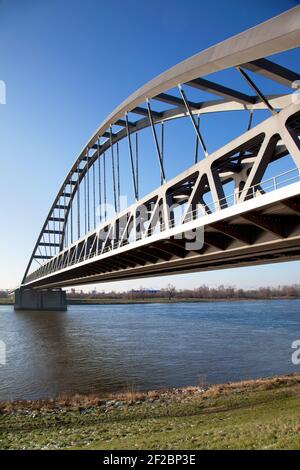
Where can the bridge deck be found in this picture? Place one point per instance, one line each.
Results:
(261, 230)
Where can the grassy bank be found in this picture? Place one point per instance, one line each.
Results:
(261, 414)
(6, 301)
(155, 300)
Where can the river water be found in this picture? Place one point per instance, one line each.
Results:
(108, 348)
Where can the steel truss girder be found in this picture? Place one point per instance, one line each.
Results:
(204, 177)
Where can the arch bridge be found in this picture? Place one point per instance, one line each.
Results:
(234, 204)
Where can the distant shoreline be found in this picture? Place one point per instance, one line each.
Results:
(167, 301)
(158, 300)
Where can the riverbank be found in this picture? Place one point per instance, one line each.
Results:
(162, 300)
(257, 414)
(6, 301)
(158, 300)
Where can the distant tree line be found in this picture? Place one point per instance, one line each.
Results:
(170, 292)
(4, 294)
(203, 292)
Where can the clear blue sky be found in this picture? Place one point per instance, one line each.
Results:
(66, 65)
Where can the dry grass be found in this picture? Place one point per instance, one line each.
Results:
(249, 385)
(132, 394)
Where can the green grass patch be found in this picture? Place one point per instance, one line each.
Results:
(250, 415)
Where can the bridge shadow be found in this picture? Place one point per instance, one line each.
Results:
(63, 353)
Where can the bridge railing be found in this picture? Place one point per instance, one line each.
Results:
(266, 186)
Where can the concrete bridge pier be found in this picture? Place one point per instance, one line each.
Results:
(45, 299)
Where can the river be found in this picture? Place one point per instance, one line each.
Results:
(108, 348)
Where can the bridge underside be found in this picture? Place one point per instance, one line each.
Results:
(258, 235)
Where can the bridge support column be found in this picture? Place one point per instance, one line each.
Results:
(46, 299)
